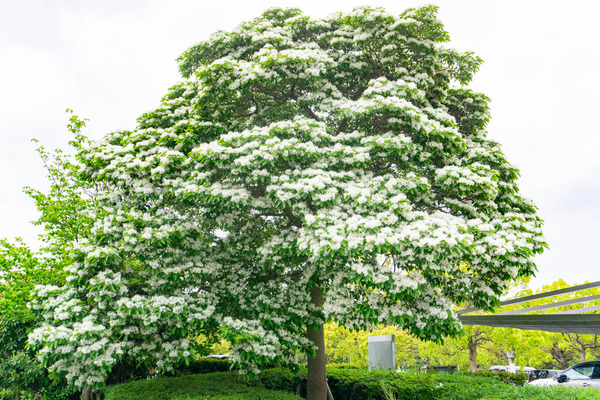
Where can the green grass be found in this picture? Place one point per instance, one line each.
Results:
(213, 386)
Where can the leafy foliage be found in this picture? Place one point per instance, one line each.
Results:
(66, 213)
(201, 366)
(217, 385)
(68, 209)
(342, 157)
(352, 384)
(543, 393)
(19, 273)
(346, 384)
(21, 374)
(517, 379)
(344, 346)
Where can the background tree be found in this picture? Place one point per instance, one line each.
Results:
(562, 356)
(346, 346)
(526, 346)
(463, 350)
(20, 271)
(581, 343)
(595, 353)
(66, 213)
(263, 195)
(68, 209)
(475, 339)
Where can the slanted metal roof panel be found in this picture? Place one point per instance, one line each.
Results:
(550, 305)
(537, 296)
(583, 324)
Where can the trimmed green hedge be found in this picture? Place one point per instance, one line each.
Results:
(203, 365)
(350, 384)
(345, 384)
(353, 384)
(359, 385)
(341, 366)
(280, 379)
(213, 386)
(518, 379)
(544, 393)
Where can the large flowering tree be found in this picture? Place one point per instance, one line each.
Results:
(305, 170)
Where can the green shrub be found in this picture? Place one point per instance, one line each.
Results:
(544, 393)
(517, 379)
(361, 384)
(345, 384)
(200, 366)
(354, 384)
(127, 370)
(216, 385)
(205, 365)
(258, 394)
(341, 366)
(278, 379)
(20, 371)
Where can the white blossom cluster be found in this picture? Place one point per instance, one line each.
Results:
(298, 154)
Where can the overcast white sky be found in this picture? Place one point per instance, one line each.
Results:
(111, 60)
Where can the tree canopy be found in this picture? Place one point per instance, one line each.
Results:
(305, 170)
(66, 212)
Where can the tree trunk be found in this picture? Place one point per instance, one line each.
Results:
(316, 386)
(86, 393)
(562, 357)
(472, 355)
(581, 351)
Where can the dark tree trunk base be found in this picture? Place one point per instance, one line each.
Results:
(86, 393)
(316, 387)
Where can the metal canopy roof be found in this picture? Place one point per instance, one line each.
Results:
(583, 324)
(571, 321)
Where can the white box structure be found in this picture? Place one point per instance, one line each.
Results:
(382, 352)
